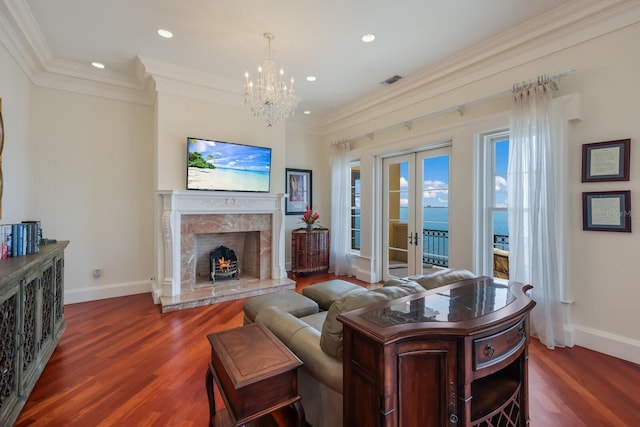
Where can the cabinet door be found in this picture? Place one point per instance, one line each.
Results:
(9, 315)
(427, 384)
(30, 309)
(47, 310)
(58, 295)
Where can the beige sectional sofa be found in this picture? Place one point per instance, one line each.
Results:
(316, 337)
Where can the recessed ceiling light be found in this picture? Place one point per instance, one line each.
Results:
(307, 112)
(165, 33)
(368, 38)
(99, 65)
(311, 78)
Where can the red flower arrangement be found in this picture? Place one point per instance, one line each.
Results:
(310, 217)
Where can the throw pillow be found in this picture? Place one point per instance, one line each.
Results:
(331, 339)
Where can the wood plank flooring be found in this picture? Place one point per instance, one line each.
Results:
(121, 362)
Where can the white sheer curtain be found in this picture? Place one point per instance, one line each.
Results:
(340, 251)
(538, 206)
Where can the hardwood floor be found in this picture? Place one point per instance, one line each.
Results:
(122, 362)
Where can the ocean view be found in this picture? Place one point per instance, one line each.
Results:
(436, 245)
(436, 218)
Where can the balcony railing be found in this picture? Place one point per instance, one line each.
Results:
(501, 241)
(435, 246)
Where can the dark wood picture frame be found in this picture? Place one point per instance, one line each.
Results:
(298, 185)
(606, 211)
(606, 161)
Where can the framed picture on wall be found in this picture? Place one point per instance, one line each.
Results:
(298, 187)
(606, 211)
(606, 161)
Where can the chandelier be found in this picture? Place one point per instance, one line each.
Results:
(269, 98)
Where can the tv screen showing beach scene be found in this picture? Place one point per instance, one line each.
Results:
(226, 166)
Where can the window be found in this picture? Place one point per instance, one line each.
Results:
(492, 229)
(355, 206)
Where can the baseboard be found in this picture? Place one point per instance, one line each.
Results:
(607, 343)
(72, 296)
(364, 275)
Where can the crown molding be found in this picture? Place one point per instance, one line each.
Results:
(573, 23)
(184, 81)
(576, 22)
(24, 41)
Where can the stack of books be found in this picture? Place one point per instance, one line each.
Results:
(20, 239)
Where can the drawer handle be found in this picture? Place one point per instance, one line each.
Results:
(489, 350)
(453, 419)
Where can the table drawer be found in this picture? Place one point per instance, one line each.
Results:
(495, 348)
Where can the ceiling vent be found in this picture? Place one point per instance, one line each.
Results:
(391, 80)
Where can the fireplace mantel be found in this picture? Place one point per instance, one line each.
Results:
(170, 257)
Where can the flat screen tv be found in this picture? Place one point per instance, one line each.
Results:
(226, 166)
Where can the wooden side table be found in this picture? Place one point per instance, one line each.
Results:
(255, 373)
(309, 250)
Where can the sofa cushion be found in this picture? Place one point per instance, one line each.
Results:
(289, 301)
(331, 337)
(315, 320)
(326, 293)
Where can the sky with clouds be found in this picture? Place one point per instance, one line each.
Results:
(436, 179)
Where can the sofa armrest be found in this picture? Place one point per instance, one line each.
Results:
(304, 341)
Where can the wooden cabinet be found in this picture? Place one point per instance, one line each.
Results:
(452, 356)
(309, 250)
(31, 320)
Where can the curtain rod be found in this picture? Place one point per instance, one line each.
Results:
(457, 107)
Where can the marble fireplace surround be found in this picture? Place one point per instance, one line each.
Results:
(185, 215)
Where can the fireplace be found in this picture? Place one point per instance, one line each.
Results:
(195, 223)
(223, 264)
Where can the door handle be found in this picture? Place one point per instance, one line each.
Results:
(413, 239)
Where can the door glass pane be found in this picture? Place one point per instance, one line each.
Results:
(500, 226)
(499, 220)
(355, 208)
(435, 211)
(397, 214)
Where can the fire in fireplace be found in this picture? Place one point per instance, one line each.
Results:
(224, 264)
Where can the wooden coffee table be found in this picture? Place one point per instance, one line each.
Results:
(255, 373)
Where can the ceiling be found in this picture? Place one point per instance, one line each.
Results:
(321, 38)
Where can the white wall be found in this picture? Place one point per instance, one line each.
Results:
(92, 164)
(604, 277)
(15, 91)
(307, 149)
(83, 166)
(179, 117)
(603, 274)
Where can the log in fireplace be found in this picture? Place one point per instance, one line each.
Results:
(224, 264)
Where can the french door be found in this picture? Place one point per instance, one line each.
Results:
(415, 212)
